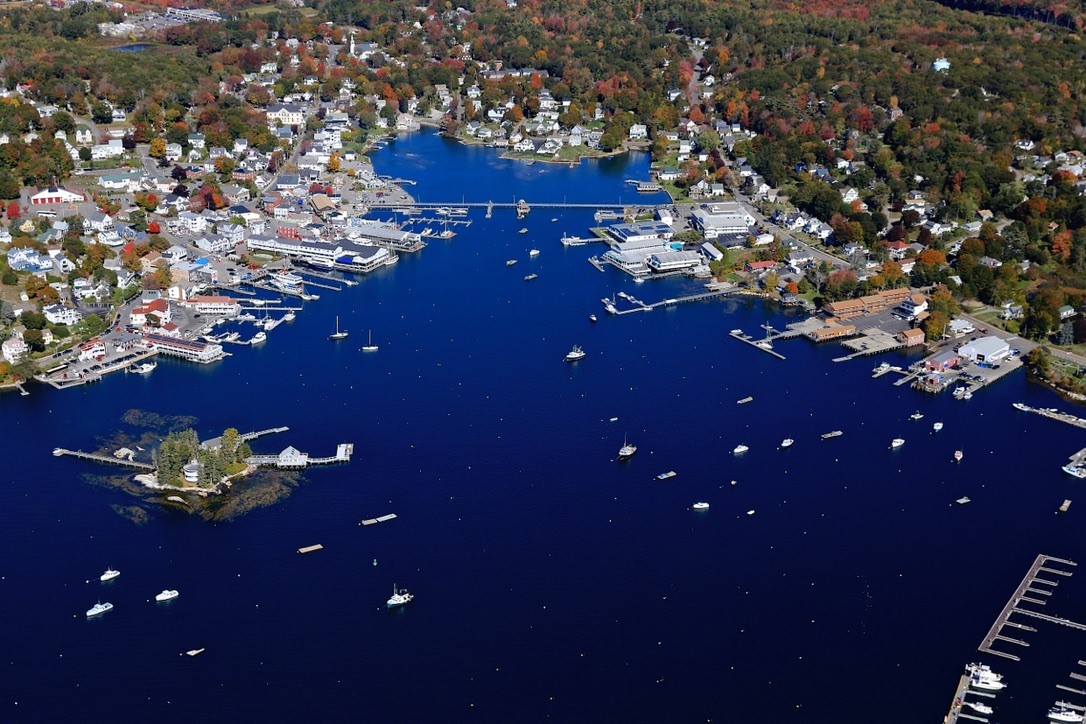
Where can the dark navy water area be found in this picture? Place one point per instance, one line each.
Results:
(550, 580)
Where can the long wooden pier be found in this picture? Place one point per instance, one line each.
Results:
(640, 306)
(107, 459)
(1027, 585)
(761, 344)
(1053, 414)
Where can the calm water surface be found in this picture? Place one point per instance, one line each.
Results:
(550, 581)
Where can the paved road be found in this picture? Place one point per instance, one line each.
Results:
(786, 235)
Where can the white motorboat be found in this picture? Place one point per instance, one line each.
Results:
(523, 231)
(400, 596)
(979, 707)
(369, 346)
(510, 262)
(1021, 406)
(591, 317)
(259, 338)
(744, 401)
(881, 369)
(99, 608)
(289, 317)
(627, 450)
(958, 456)
(937, 426)
(916, 415)
(832, 434)
(787, 442)
(983, 678)
(338, 334)
(666, 476)
(530, 277)
(1063, 711)
(896, 442)
(533, 253)
(142, 368)
(167, 595)
(194, 652)
(1075, 470)
(575, 354)
(109, 575)
(701, 506)
(740, 449)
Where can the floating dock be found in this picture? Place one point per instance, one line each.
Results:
(311, 549)
(764, 345)
(1027, 585)
(381, 519)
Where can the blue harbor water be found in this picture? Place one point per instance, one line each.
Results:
(550, 580)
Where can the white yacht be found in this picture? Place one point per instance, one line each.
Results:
(533, 252)
(99, 608)
(109, 575)
(338, 334)
(896, 442)
(979, 708)
(666, 476)
(982, 677)
(142, 368)
(787, 442)
(1064, 712)
(369, 346)
(259, 338)
(289, 317)
(400, 596)
(575, 354)
(701, 506)
(167, 595)
(1075, 470)
(740, 449)
(916, 415)
(937, 426)
(627, 450)
(958, 456)
(881, 369)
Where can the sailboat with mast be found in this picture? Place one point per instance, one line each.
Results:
(338, 334)
(369, 346)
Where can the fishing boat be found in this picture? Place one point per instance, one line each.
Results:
(166, 595)
(99, 608)
(369, 346)
(576, 354)
(338, 334)
(896, 443)
(828, 435)
(916, 415)
(533, 253)
(627, 450)
(109, 575)
(1063, 711)
(740, 449)
(937, 426)
(700, 506)
(958, 456)
(400, 596)
(787, 442)
(666, 476)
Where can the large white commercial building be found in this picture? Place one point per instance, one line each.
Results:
(985, 350)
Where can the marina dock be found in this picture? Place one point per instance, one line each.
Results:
(380, 519)
(764, 345)
(640, 306)
(1053, 414)
(1028, 585)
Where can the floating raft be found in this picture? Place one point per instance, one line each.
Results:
(1065, 506)
(382, 519)
(311, 549)
(963, 500)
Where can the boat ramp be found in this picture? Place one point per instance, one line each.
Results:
(1027, 592)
